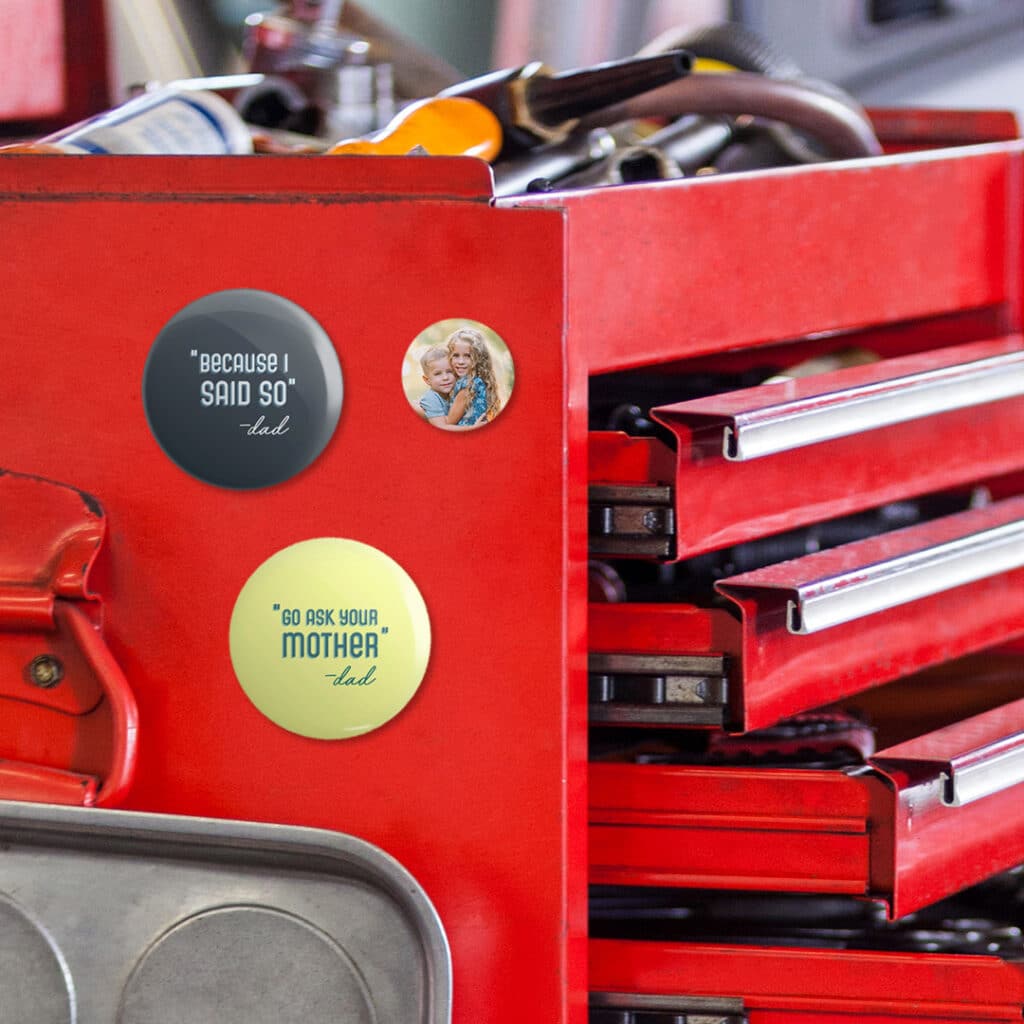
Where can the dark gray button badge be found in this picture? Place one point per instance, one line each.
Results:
(242, 389)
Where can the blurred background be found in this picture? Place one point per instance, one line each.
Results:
(62, 59)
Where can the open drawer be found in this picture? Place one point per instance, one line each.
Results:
(764, 459)
(815, 629)
(915, 822)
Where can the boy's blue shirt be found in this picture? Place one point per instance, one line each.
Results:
(434, 404)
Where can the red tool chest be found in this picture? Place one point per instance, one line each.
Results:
(478, 786)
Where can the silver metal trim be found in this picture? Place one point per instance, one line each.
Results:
(810, 420)
(985, 776)
(875, 588)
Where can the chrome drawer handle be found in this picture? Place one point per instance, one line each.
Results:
(852, 595)
(984, 772)
(974, 758)
(810, 420)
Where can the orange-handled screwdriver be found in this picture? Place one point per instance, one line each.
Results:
(439, 126)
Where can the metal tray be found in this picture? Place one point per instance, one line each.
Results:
(109, 916)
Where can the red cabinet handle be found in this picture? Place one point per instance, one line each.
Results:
(50, 535)
(124, 711)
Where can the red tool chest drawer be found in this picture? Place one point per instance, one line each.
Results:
(818, 628)
(924, 819)
(765, 459)
(655, 279)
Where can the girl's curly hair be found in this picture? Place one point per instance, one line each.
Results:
(482, 366)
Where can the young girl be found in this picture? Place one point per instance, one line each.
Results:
(471, 361)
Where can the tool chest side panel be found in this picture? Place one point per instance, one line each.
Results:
(496, 840)
(687, 268)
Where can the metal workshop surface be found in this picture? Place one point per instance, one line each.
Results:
(140, 917)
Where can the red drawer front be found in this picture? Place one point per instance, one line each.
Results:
(779, 830)
(886, 607)
(779, 986)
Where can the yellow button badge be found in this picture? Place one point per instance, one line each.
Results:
(330, 638)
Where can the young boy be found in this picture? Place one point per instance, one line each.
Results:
(439, 376)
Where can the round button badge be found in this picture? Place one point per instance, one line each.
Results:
(330, 638)
(458, 374)
(242, 389)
